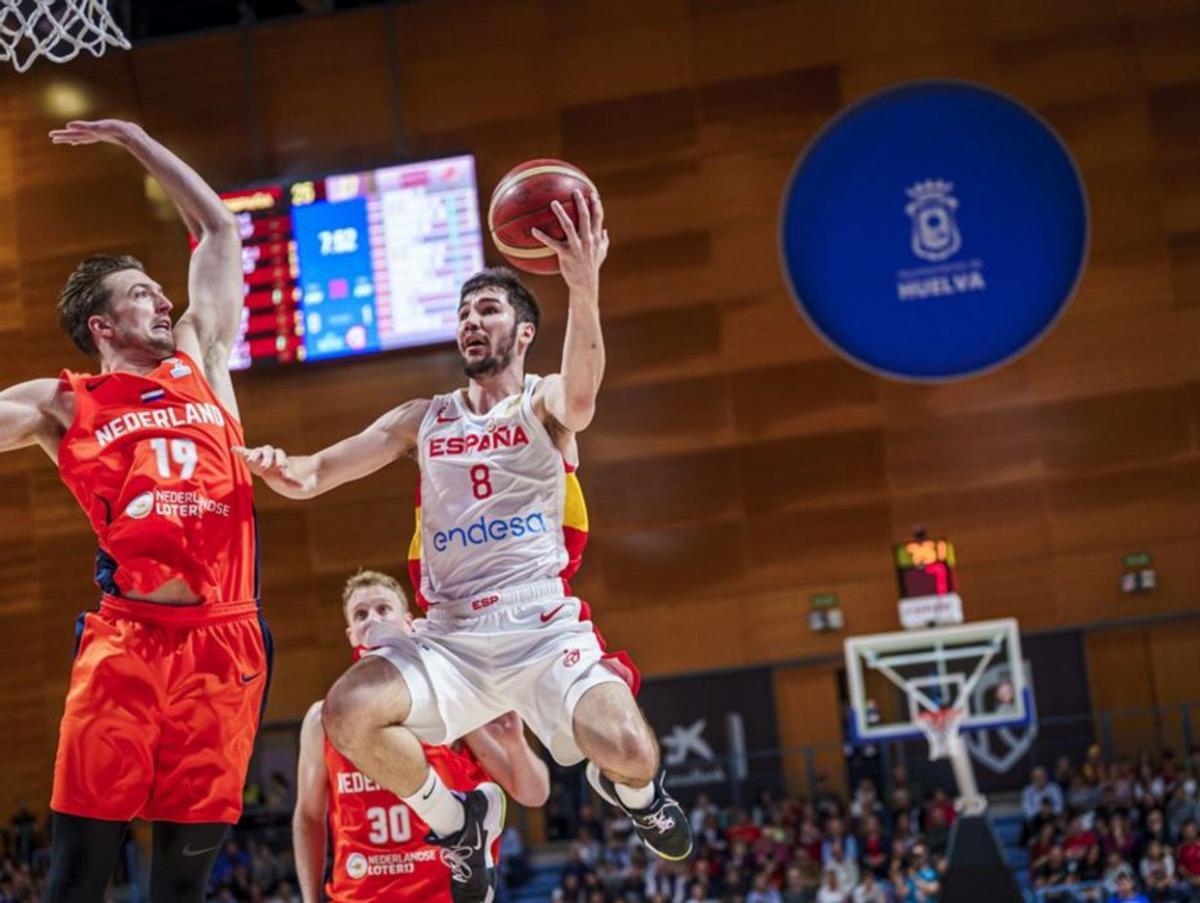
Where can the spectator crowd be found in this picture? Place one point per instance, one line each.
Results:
(1123, 829)
(868, 849)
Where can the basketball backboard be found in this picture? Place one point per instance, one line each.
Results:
(895, 679)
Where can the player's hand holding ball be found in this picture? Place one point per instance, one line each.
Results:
(546, 217)
(583, 251)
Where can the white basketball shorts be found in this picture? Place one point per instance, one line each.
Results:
(528, 649)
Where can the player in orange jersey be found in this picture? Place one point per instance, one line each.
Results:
(380, 851)
(170, 672)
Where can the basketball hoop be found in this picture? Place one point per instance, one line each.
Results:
(55, 29)
(941, 729)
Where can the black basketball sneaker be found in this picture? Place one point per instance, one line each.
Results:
(662, 825)
(468, 854)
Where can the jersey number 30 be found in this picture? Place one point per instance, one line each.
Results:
(182, 452)
(389, 825)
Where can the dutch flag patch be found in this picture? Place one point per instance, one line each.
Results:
(153, 395)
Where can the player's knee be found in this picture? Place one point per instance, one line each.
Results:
(636, 751)
(362, 699)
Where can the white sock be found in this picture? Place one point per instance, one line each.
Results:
(636, 797)
(437, 806)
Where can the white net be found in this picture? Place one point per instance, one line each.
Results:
(55, 29)
(940, 727)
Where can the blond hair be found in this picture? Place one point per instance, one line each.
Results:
(365, 579)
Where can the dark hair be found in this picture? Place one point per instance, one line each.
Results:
(86, 295)
(521, 299)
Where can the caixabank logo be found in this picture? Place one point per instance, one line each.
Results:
(934, 230)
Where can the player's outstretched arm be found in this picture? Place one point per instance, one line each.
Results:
(570, 395)
(501, 748)
(31, 413)
(303, 476)
(209, 327)
(312, 804)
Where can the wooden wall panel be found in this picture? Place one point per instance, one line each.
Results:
(1119, 664)
(808, 714)
(737, 465)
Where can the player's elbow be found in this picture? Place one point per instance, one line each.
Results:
(222, 224)
(578, 411)
(533, 794)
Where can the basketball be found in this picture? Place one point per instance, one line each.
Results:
(522, 201)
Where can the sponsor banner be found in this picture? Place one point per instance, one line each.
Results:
(717, 733)
(918, 612)
(934, 230)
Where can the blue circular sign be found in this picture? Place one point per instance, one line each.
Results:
(934, 230)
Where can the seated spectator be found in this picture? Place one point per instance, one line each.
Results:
(762, 892)
(1126, 892)
(1153, 830)
(941, 800)
(903, 832)
(1149, 789)
(1121, 777)
(1053, 874)
(835, 833)
(869, 891)
(763, 808)
(1078, 841)
(703, 809)
(840, 862)
(742, 828)
(831, 888)
(1082, 796)
(1120, 839)
(873, 847)
(1092, 770)
(828, 803)
(902, 805)
(1063, 772)
(925, 876)
(1038, 790)
(799, 886)
(1040, 847)
(937, 831)
(900, 778)
(1091, 868)
(1189, 856)
(1182, 808)
(809, 837)
(866, 801)
(1114, 867)
(1158, 871)
(284, 893)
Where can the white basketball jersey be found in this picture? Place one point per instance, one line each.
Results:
(492, 498)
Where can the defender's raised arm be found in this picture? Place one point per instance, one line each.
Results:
(209, 326)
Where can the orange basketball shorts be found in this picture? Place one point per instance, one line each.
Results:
(162, 710)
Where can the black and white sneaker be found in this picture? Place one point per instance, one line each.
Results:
(468, 854)
(662, 825)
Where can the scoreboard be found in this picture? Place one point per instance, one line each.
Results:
(355, 263)
(925, 572)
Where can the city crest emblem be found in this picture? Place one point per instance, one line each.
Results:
(935, 234)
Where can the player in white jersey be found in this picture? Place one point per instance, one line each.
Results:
(498, 529)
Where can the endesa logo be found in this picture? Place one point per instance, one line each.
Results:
(486, 530)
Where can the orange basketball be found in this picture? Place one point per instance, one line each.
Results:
(522, 201)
